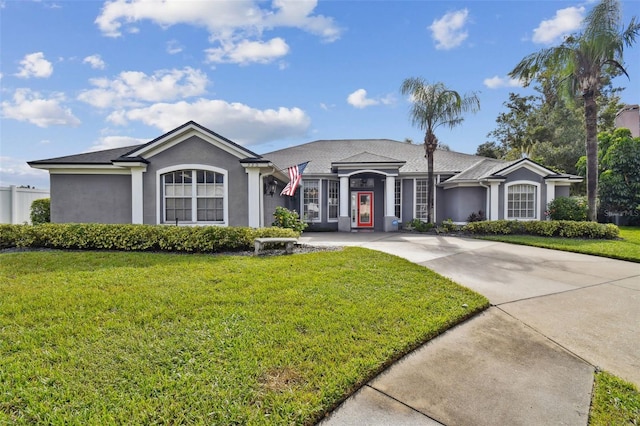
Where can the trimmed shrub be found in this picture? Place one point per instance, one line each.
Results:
(9, 235)
(568, 208)
(447, 227)
(418, 225)
(41, 211)
(476, 217)
(93, 236)
(494, 227)
(285, 218)
(553, 228)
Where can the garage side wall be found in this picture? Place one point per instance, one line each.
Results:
(90, 198)
(462, 201)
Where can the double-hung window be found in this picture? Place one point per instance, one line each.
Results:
(421, 199)
(333, 199)
(311, 200)
(193, 196)
(521, 201)
(397, 199)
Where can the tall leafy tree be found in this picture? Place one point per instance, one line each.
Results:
(583, 60)
(547, 128)
(520, 129)
(432, 106)
(620, 178)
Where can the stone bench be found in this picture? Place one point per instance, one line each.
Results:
(260, 243)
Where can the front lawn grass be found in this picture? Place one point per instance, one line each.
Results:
(626, 248)
(147, 338)
(614, 402)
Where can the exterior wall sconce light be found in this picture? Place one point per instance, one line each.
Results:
(271, 187)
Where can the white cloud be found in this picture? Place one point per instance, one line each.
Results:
(173, 47)
(496, 82)
(95, 61)
(448, 31)
(246, 52)
(131, 88)
(17, 172)
(298, 14)
(239, 122)
(35, 65)
(221, 18)
(360, 100)
(110, 142)
(237, 26)
(564, 23)
(30, 106)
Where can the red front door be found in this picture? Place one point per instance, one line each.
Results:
(364, 204)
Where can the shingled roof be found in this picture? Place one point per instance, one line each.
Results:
(321, 154)
(97, 157)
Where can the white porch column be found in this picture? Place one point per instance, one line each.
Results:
(390, 220)
(344, 222)
(551, 192)
(137, 205)
(495, 198)
(389, 196)
(253, 194)
(344, 196)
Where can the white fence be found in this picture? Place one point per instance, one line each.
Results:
(15, 203)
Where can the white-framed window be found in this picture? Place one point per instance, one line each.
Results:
(311, 200)
(397, 199)
(193, 195)
(421, 204)
(522, 200)
(333, 200)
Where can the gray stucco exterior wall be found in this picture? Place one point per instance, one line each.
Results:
(441, 201)
(462, 201)
(197, 151)
(563, 191)
(270, 203)
(90, 198)
(407, 200)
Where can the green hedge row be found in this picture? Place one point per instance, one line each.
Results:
(90, 236)
(547, 228)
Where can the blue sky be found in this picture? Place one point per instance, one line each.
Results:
(79, 75)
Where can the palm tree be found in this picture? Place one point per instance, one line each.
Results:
(584, 61)
(435, 105)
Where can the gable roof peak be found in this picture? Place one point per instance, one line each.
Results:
(181, 133)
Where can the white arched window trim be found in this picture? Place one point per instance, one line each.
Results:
(159, 196)
(538, 195)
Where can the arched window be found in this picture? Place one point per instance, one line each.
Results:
(193, 196)
(522, 201)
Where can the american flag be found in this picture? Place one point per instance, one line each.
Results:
(295, 176)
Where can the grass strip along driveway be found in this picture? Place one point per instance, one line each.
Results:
(106, 337)
(626, 248)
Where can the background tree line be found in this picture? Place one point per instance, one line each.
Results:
(547, 127)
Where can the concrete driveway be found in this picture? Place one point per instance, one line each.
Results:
(529, 359)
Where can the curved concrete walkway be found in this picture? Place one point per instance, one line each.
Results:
(528, 360)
